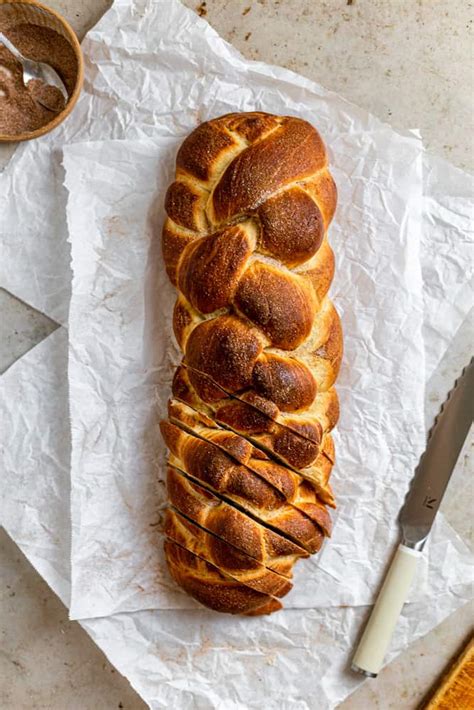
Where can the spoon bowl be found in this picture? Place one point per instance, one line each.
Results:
(36, 70)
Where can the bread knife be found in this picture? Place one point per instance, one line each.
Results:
(416, 518)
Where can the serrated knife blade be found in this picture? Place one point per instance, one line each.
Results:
(426, 492)
(434, 470)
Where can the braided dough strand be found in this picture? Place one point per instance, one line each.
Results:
(245, 244)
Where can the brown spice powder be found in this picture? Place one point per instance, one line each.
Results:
(19, 110)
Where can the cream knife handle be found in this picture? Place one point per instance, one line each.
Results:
(368, 658)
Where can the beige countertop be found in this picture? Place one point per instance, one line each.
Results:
(410, 63)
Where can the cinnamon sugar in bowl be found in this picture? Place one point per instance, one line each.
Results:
(41, 34)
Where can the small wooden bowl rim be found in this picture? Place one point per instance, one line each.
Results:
(59, 117)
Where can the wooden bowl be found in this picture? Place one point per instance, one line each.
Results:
(16, 12)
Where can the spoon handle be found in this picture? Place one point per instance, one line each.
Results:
(11, 47)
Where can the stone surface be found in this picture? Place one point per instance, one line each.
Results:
(410, 63)
(47, 661)
(21, 328)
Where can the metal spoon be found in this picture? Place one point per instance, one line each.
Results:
(36, 70)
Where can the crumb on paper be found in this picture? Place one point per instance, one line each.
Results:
(114, 226)
(247, 36)
(246, 10)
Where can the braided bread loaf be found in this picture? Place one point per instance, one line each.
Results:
(253, 400)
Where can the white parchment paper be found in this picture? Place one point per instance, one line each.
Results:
(141, 59)
(447, 248)
(190, 658)
(148, 64)
(119, 388)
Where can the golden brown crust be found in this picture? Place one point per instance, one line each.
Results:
(287, 482)
(298, 492)
(245, 245)
(185, 204)
(219, 261)
(289, 384)
(226, 348)
(249, 126)
(232, 525)
(321, 271)
(173, 243)
(292, 438)
(208, 585)
(287, 317)
(292, 226)
(202, 150)
(293, 152)
(232, 562)
(324, 191)
(265, 490)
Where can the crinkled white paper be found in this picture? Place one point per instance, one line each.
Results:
(191, 658)
(175, 658)
(152, 66)
(446, 254)
(119, 389)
